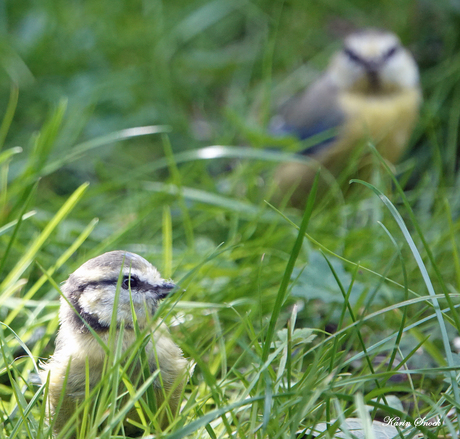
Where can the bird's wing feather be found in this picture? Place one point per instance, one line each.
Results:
(312, 112)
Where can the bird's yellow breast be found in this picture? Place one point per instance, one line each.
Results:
(386, 120)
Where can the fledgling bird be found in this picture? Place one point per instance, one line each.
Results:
(91, 290)
(370, 92)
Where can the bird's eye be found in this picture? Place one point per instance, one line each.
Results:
(127, 280)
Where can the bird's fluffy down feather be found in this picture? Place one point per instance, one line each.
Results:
(90, 294)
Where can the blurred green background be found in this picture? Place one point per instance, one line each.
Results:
(130, 63)
(213, 71)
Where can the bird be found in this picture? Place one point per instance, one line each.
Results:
(117, 278)
(369, 92)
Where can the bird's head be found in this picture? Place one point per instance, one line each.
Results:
(374, 62)
(92, 291)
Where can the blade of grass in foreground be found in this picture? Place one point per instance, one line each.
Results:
(61, 260)
(427, 248)
(289, 269)
(7, 154)
(442, 326)
(11, 224)
(176, 176)
(167, 243)
(282, 295)
(26, 260)
(8, 117)
(210, 416)
(28, 194)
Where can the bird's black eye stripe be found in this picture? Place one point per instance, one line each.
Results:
(357, 59)
(391, 52)
(135, 283)
(352, 55)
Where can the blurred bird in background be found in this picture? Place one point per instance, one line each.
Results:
(370, 92)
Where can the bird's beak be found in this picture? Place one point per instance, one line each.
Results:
(373, 74)
(164, 288)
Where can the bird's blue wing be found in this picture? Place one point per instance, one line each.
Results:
(312, 113)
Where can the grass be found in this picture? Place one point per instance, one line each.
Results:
(154, 142)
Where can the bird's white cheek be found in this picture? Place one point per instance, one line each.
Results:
(144, 305)
(125, 312)
(401, 71)
(97, 302)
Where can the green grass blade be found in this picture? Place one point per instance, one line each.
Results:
(288, 272)
(427, 280)
(22, 265)
(9, 114)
